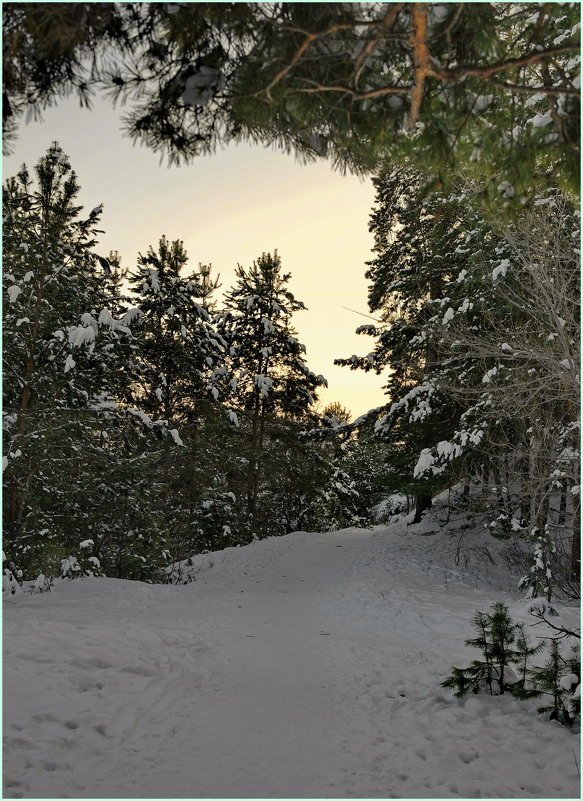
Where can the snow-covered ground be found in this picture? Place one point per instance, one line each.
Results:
(303, 666)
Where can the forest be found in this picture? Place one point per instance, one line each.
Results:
(198, 414)
(157, 423)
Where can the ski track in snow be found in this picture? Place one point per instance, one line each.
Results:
(296, 667)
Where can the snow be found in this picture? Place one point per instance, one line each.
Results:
(131, 316)
(175, 436)
(40, 583)
(305, 666)
(540, 120)
(501, 269)
(489, 375)
(566, 682)
(264, 384)
(69, 363)
(81, 335)
(506, 189)
(13, 292)
(233, 417)
(424, 463)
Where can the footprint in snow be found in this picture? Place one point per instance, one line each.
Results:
(137, 670)
(468, 756)
(421, 753)
(94, 661)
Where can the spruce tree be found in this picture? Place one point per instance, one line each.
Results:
(419, 252)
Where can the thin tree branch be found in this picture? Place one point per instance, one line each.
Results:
(298, 54)
(386, 25)
(484, 72)
(357, 95)
(563, 631)
(310, 37)
(533, 90)
(454, 22)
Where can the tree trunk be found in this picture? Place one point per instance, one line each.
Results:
(422, 503)
(576, 542)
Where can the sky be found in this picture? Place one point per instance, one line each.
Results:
(229, 208)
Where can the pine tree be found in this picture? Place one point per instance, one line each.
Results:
(497, 639)
(270, 378)
(72, 449)
(60, 360)
(547, 682)
(178, 346)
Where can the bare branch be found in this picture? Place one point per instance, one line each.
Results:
(298, 54)
(454, 22)
(564, 632)
(484, 72)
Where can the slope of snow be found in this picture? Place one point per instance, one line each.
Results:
(303, 666)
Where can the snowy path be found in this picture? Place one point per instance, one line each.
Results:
(304, 666)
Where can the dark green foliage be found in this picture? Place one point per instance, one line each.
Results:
(477, 328)
(82, 466)
(96, 480)
(522, 657)
(61, 363)
(486, 86)
(359, 477)
(271, 389)
(496, 638)
(504, 644)
(550, 686)
(420, 250)
(178, 347)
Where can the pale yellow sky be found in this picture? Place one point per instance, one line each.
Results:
(229, 208)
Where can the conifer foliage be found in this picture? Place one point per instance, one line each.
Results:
(507, 666)
(60, 360)
(478, 329)
(491, 85)
(270, 381)
(178, 345)
(139, 415)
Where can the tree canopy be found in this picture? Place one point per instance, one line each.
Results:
(494, 86)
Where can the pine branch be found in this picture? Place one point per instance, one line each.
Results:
(386, 25)
(423, 60)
